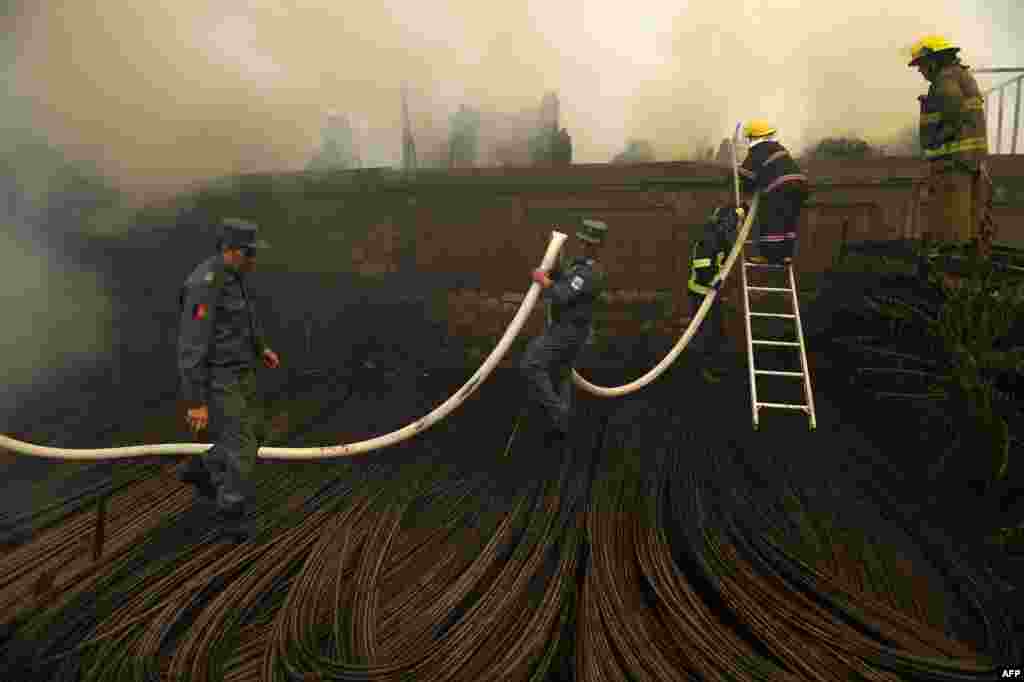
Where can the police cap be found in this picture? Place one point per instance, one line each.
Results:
(235, 233)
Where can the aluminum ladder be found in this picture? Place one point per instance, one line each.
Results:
(805, 372)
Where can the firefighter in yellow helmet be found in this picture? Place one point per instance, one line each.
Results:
(770, 169)
(955, 144)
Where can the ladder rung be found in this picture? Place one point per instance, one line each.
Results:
(764, 265)
(786, 289)
(757, 342)
(785, 315)
(784, 406)
(778, 373)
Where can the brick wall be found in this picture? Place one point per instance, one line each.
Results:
(487, 228)
(651, 212)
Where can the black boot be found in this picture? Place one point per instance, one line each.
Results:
(558, 431)
(232, 520)
(554, 438)
(193, 472)
(234, 526)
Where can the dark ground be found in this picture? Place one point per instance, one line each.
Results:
(660, 500)
(861, 468)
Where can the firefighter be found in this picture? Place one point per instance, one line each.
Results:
(770, 168)
(955, 144)
(572, 293)
(219, 344)
(706, 260)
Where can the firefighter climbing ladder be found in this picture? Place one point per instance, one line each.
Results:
(805, 372)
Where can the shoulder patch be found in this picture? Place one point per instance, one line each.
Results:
(576, 283)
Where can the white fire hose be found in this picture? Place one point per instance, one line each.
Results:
(709, 298)
(325, 452)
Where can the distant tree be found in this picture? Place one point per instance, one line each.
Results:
(464, 137)
(841, 148)
(337, 146)
(724, 153)
(542, 144)
(562, 152)
(636, 151)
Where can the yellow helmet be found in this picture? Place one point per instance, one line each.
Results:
(758, 128)
(928, 46)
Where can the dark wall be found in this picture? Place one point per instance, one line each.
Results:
(370, 257)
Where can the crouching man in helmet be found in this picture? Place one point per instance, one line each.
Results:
(707, 256)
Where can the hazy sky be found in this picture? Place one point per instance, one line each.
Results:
(161, 93)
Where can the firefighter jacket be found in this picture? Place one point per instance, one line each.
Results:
(769, 167)
(219, 327)
(953, 126)
(707, 256)
(575, 292)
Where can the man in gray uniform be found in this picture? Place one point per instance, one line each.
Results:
(572, 294)
(219, 344)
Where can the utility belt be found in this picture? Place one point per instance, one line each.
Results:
(975, 168)
(232, 369)
(576, 320)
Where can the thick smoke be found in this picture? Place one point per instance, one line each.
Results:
(162, 94)
(56, 315)
(814, 69)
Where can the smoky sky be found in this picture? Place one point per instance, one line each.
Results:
(163, 93)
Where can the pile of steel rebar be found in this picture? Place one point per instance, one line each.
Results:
(665, 541)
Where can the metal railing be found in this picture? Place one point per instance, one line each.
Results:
(1000, 90)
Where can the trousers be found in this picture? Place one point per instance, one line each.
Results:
(547, 362)
(960, 205)
(779, 216)
(236, 416)
(710, 339)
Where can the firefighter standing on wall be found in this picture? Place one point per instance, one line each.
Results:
(706, 260)
(770, 168)
(220, 342)
(573, 293)
(955, 144)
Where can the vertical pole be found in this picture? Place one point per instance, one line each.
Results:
(999, 126)
(101, 518)
(1016, 116)
(987, 97)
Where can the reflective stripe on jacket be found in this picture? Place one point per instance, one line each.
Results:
(706, 258)
(769, 166)
(952, 124)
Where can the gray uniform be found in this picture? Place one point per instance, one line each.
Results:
(219, 344)
(549, 358)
